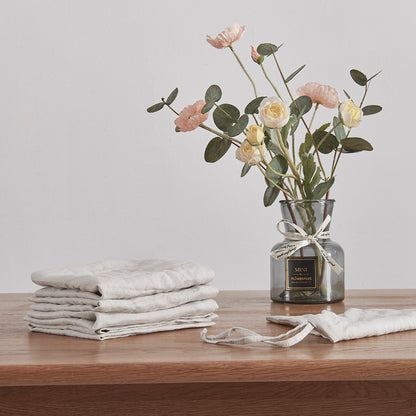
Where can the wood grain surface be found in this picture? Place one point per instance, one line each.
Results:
(180, 356)
(176, 374)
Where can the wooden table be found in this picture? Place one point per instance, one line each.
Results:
(175, 373)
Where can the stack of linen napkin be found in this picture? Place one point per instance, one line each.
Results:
(114, 299)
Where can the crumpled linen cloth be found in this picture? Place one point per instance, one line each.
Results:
(126, 279)
(120, 298)
(353, 324)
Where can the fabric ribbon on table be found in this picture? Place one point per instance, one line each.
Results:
(301, 239)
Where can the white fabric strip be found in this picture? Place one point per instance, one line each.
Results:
(288, 339)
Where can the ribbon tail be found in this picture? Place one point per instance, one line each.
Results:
(334, 265)
(288, 249)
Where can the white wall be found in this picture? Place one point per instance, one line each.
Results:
(86, 174)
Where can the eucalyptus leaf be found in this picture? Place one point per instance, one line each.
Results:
(301, 105)
(339, 131)
(309, 167)
(207, 107)
(371, 109)
(267, 49)
(272, 147)
(275, 140)
(172, 96)
(245, 169)
(316, 178)
(216, 149)
(321, 189)
(239, 126)
(308, 142)
(355, 144)
(324, 126)
(225, 116)
(213, 93)
(295, 124)
(358, 77)
(278, 164)
(270, 195)
(284, 131)
(155, 107)
(326, 146)
(293, 74)
(253, 106)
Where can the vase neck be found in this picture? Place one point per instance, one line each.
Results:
(308, 215)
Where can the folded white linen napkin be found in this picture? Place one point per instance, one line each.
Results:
(99, 320)
(51, 299)
(354, 323)
(125, 279)
(126, 330)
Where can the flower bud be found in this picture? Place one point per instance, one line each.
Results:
(255, 135)
(350, 113)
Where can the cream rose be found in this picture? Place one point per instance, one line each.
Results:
(255, 134)
(250, 154)
(274, 113)
(351, 114)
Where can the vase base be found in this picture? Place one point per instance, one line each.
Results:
(304, 298)
(308, 301)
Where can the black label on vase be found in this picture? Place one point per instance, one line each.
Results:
(301, 273)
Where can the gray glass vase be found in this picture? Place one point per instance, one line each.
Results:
(305, 276)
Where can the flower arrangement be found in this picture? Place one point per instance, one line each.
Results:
(291, 166)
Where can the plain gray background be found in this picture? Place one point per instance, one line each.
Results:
(86, 174)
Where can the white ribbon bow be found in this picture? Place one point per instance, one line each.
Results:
(301, 239)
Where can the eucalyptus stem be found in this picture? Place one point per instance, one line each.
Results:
(275, 184)
(365, 93)
(255, 119)
(244, 69)
(336, 163)
(293, 188)
(301, 118)
(326, 135)
(283, 175)
(291, 164)
(293, 149)
(334, 166)
(313, 115)
(163, 100)
(224, 136)
(270, 82)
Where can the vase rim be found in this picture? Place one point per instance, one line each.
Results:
(284, 201)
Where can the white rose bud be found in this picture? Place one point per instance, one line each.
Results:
(351, 114)
(255, 134)
(274, 113)
(250, 154)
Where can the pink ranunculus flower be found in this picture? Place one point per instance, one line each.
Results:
(191, 117)
(227, 36)
(321, 94)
